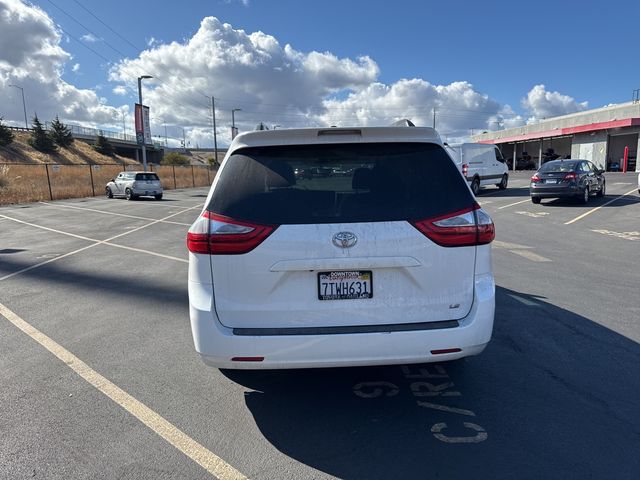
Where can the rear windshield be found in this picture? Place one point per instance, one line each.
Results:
(365, 182)
(563, 166)
(146, 176)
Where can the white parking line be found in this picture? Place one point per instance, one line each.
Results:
(159, 425)
(516, 203)
(598, 208)
(96, 242)
(64, 205)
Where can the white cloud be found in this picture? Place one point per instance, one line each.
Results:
(270, 82)
(75, 68)
(543, 104)
(89, 37)
(31, 57)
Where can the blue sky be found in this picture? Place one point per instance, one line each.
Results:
(582, 52)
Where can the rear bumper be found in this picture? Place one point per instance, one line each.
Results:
(217, 344)
(554, 191)
(147, 191)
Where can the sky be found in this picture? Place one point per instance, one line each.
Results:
(480, 65)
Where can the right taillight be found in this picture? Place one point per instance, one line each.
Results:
(214, 234)
(472, 226)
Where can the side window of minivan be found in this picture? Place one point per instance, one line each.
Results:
(498, 155)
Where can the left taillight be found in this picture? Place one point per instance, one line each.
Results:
(472, 226)
(214, 234)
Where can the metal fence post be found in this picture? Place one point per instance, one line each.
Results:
(193, 178)
(46, 166)
(175, 186)
(93, 189)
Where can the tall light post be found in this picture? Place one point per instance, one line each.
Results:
(233, 122)
(144, 148)
(24, 106)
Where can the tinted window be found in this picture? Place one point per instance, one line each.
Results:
(146, 176)
(558, 166)
(339, 183)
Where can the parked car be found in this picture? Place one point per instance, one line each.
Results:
(567, 179)
(480, 164)
(132, 185)
(392, 266)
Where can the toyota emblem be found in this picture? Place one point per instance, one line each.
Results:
(345, 239)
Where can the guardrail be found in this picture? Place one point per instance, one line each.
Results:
(22, 183)
(86, 132)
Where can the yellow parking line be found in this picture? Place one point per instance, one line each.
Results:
(162, 427)
(598, 208)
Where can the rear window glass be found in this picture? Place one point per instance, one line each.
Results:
(365, 182)
(146, 176)
(563, 166)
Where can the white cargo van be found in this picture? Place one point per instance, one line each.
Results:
(480, 164)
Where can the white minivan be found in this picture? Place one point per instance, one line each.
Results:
(481, 164)
(385, 258)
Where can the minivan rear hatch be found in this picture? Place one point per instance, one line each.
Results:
(344, 248)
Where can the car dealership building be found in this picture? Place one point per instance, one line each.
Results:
(605, 136)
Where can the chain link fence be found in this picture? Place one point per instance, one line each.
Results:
(22, 183)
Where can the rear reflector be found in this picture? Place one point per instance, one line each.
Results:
(472, 226)
(247, 359)
(213, 234)
(445, 350)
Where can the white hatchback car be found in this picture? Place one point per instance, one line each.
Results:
(132, 185)
(388, 262)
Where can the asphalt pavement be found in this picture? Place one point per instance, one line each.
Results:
(100, 378)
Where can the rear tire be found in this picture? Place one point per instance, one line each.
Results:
(603, 190)
(129, 194)
(475, 186)
(158, 197)
(535, 200)
(584, 198)
(108, 192)
(503, 183)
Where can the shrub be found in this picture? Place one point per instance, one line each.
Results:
(174, 158)
(61, 134)
(103, 146)
(6, 135)
(40, 139)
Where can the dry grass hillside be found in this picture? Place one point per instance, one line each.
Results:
(80, 153)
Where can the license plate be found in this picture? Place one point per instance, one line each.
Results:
(347, 285)
(551, 180)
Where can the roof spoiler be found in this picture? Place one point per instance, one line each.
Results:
(405, 122)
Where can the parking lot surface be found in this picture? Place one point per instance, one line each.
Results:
(100, 378)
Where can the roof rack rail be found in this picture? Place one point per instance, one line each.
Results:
(405, 122)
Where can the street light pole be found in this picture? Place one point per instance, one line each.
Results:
(144, 148)
(24, 106)
(233, 122)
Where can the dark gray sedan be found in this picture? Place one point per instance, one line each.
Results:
(567, 179)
